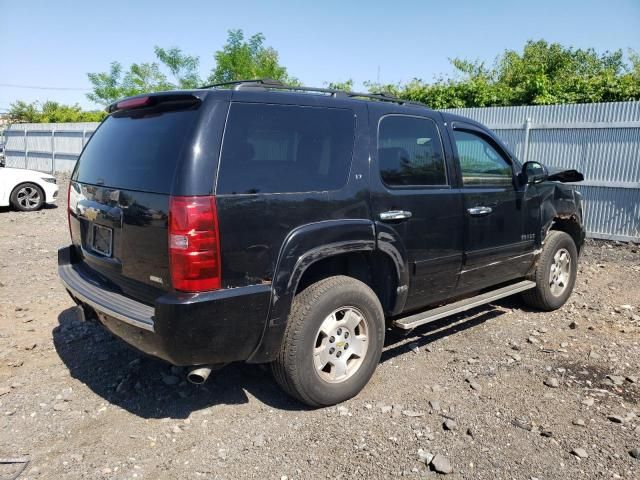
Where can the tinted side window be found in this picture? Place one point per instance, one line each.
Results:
(480, 163)
(283, 149)
(410, 152)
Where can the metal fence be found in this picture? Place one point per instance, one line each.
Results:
(602, 140)
(47, 147)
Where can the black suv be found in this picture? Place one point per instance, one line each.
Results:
(285, 225)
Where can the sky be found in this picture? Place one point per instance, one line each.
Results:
(53, 44)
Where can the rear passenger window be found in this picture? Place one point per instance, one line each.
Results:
(410, 152)
(285, 149)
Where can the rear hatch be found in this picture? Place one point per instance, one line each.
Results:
(120, 192)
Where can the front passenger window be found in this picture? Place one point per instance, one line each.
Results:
(480, 163)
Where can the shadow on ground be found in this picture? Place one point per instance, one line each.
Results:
(144, 386)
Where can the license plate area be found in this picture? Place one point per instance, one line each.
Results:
(101, 240)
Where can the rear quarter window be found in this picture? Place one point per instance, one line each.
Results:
(285, 149)
(137, 153)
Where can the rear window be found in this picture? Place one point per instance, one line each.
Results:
(136, 153)
(285, 149)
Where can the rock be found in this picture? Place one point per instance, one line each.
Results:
(435, 405)
(533, 340)
(170, 380)
(396, 411)
(66, 394)
(593, 355)
(450, 424)
(579, 422)
(222, 454)
(30, 346)
(343, 411)
(515, 356)
(385, 408)
(588, 401)
(573, 325)
(176, 429)
(4, 390)
(635, 453)
(616, 418)
(552, 382)
(631, 379)
(425, 457)
(259, 441)
(412, 413)
(61, 407)
(441, 464)
(580, 452)
(475, 386)
(615, 380)
(414, 348)
(564, 344)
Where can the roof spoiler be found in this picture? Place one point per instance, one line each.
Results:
(166, 101)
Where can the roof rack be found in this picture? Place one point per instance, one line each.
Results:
(265, 83)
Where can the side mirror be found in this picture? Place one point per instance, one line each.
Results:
(533, 172)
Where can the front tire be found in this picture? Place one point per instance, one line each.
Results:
(332, 343)
(555, 274)
(27, 197)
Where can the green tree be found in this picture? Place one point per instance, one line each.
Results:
(183, 68)
(240, 60)
(544, 73)
(347, 85)
(107, 87)
(51, 112)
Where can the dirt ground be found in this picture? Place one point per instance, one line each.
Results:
(524, 394)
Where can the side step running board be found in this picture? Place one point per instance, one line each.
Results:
(413, 321)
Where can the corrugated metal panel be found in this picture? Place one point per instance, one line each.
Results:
(612, 212)
(44, 141)
(588, 112)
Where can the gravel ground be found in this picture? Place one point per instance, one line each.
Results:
(502, 392)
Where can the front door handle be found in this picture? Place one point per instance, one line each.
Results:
(479, 211)
(395, 215)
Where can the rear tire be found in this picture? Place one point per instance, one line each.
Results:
(332, 343)
(27, 197)
(555, 274)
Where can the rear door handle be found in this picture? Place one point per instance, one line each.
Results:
(479, 211)
(395, 215)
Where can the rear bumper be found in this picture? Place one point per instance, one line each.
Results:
(183, 329)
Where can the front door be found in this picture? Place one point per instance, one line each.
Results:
(414, 202)
(497, 247)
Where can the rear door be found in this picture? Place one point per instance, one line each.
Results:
(414, 200)
(497, 247)
(119, 197)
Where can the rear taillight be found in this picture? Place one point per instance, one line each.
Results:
(194, 244)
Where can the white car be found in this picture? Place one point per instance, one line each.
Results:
(26, 190)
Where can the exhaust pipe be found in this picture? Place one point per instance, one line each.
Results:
(199, 375)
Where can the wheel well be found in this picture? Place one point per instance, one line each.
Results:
(373, 268)
(571, 227)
